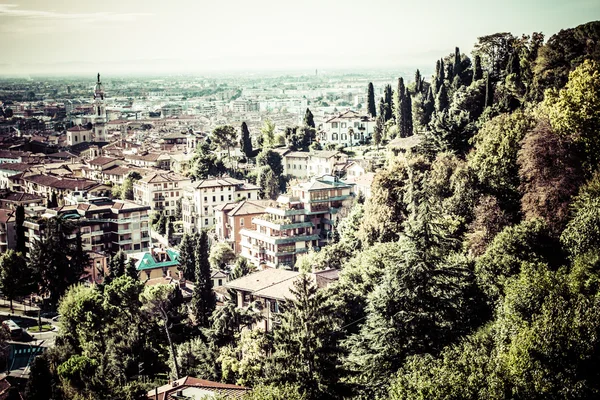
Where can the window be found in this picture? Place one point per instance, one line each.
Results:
(343, 124)
(229, 197)
(334, 136)
(356, 124)
(334, 124)
(214, 198)
(220, 282)
(164, 185)
(222, 198)
(242, 222)
(205, 221)
(205, 199)
(205, 210)
(221, 188)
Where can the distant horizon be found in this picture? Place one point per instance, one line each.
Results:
(139, 37)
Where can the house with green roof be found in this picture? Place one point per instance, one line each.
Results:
(156, 263)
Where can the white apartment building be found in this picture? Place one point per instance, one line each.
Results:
(200, 199)
(303, 165)
(337, 129)
(160, 191)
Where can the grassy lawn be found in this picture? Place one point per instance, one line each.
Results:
(45, 328)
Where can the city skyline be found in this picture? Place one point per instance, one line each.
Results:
(154, 37)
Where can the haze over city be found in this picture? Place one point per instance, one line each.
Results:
(150, 36)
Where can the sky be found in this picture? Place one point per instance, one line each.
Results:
(199, 36)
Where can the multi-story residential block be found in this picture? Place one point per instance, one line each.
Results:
(231, 218)
(304, 165)
(160, 191)
(202, 197)
(105, 225)
(297, 223)
(347, 129)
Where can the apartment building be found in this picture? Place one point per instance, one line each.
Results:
(231, 218)
(200, 199)
(106, 226)
(160, 191)
(347, 129)
(297, 223)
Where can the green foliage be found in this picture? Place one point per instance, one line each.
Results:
(225, 137)
(305, 345)
(275, 392)
(268, 182)
(530, 241)
(246, 141)
(15, 276)
(550, 174)
(205, 163)
(582, 233)
(221, 255)
(270, 159)
(268, 134)
(564, 52)
(187, 255)
(494, 159)
(198, 359)
(309, 119)
(203, 299)
(575, 110)
(56, 261)
(371, 101)
(19, 229)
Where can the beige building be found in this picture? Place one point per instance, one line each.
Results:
(160, 191)
(231, 218)
(200, 199)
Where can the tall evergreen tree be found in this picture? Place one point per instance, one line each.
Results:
(371, 101)
(20, 230)
(477, 71)
(418, 82)
(116, 265)
(307, 350)
(246, 141)
(203, 298)
(379, 126)
(309, 119)
(187, 256)
(408, 112)
(131, 271)
(442, 75)
(13, 275)
(399, 107)
(441, 101)
(388, 100)
(457, 68)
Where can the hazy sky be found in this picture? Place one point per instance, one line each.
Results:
(129, 36)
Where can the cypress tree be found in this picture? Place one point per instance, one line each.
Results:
(450, 74)
(378, 131)
(187, 256)
(418, 82)
(399, 98)
(442, 71)
(116, 265)
(309, 119)
(20, 230)
(409, 121)
(203, 299)
(477, 71)
(429, 105)
(441, 101)
(246, 141)
(371, 101)
(457, 69)
(388, 95)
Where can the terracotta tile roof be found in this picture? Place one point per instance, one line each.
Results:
(60, 182)
(163, 177)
